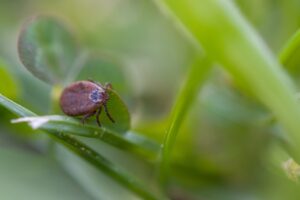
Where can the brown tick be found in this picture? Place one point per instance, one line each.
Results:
(85, 98)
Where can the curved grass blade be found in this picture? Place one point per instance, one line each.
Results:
(15, 108)
(195, 79)
(130, 142)
(85, 153)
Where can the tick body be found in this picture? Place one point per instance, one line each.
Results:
(85, 98)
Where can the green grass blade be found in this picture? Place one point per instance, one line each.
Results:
(129, 142)
(15, 108)
(85, 153)
(218, 26)
(289, 55)
(195, 79)
(136, 144)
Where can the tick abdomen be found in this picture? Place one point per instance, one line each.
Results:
(85, 98)
(76, 98)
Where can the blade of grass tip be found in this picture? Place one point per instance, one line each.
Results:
(85, 153)
(290, 50)
(195, 79)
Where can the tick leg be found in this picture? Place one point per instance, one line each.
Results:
(97, 83)
(108, 86)
(85, 117)
(107, 113)
(98, 115)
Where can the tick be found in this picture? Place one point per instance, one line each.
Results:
(85, 98)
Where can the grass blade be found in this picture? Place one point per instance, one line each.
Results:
(289, 55)
(195, 79)
(85, 153)
(15, 108)
(129, 142)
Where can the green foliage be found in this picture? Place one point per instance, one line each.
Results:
(41, 53)
(244, 55)
(231, 133)
(60, 134)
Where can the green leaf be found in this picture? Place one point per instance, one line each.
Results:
(289, 55)
(47, 49)
(35, 176)
(119, 112)
(86, 153)
(218, 26)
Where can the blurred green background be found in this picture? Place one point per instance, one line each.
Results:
(225, 148)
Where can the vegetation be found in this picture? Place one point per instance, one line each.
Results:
(204, 108)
